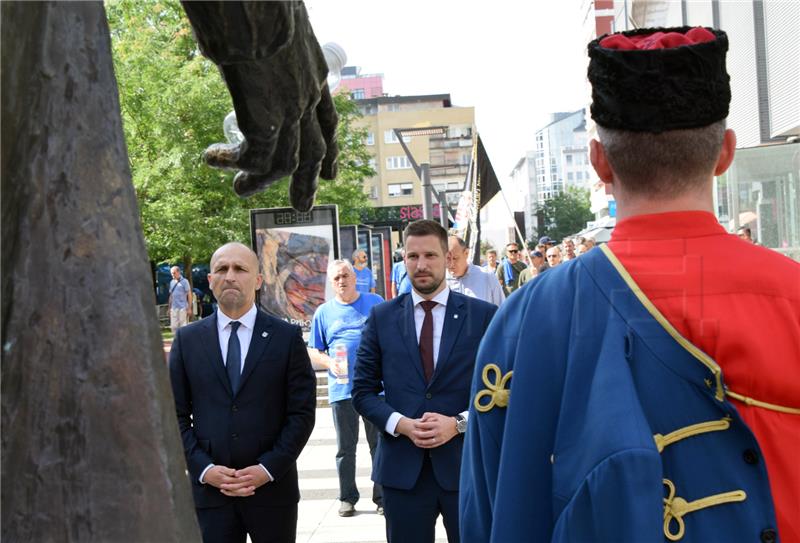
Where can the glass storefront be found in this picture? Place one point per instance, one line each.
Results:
(761, 190)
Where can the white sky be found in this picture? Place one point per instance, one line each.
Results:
(515, 62)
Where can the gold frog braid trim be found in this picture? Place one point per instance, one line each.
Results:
(495, 389)
(676, 507)
(688, 431)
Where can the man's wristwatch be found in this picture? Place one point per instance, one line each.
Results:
(461, 424)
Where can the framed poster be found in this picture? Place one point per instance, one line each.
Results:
(386, 261)
(294, 250)
(365, 242)
(348, 241)
(377, 263)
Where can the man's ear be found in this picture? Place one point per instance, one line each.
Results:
(259, 281)
(597, 155)
(726, 153)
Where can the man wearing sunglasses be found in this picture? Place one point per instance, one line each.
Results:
(509, 269)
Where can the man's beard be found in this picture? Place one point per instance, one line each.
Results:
(429, 289)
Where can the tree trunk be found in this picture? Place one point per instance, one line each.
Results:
(90, 444)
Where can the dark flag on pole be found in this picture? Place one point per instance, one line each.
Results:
(488, 185)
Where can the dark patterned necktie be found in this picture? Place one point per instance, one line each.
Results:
(426, 339)
(234, 358)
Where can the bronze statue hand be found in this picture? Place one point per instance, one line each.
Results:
(276, 74)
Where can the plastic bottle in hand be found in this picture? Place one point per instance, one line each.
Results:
(340, 357)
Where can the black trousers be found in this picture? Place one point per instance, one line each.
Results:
(411, 514)
(233, 522)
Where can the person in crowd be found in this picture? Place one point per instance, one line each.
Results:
(245, 397)
(509, 269)
(365, 282)
(180, 300)
(655, 413)
(581, 248)
(469, 279)
(553, 256)
(547, 241)
(491, 262)
(336, 323)
(420, 349)
(746, 234)
(401, 284)
(568, 246)
(538, 265)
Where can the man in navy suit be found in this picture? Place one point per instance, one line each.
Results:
(245, 394)
(420, 348)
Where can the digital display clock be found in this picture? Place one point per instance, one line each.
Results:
(288, 218)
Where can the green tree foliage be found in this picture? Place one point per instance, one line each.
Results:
(173, 102)
(566, 214)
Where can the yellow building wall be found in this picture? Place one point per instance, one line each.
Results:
(416, 118)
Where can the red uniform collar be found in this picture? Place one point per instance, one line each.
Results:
(675, 224)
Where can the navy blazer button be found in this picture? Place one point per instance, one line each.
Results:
(750, 456)
(428, 396)
(235, 408)
(235, 436)
(769, 535)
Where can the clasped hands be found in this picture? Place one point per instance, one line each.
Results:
(429, 431)
(236, 482)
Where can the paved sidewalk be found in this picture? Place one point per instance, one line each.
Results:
(318, 515)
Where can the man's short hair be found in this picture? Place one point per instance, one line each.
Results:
(491, 252)
(665, 164)
(341, 262)
(745, 229)
(427, 227)
(356, 253)
(461, 242)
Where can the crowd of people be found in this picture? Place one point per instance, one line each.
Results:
(654, 411)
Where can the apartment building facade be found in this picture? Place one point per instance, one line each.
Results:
(560, 160)
(395, 191)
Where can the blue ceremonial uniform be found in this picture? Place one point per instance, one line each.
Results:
(605, 431)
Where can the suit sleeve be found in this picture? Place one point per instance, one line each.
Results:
(196, 458)
(368, 380)
(301, 402)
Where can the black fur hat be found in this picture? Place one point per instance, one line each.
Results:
(643, 89)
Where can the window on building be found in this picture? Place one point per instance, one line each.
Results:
(400, 189)
(569, 160)
(373, 164)
(570, 177)
(397, 163)
(392, 107)
(373, 193)
(357, 94)
(390, 137)
(370, 138)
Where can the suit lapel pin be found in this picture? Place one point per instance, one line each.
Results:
(455, 316)
(263, 334)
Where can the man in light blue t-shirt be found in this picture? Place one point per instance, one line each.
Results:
(400, 281)
(365, 282)
(180, 300)
(340, 321)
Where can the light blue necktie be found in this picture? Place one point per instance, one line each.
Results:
(234, 359)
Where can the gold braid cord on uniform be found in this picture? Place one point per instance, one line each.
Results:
(495, 389)
(676, 507)
(689, 431)
(706, 360)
